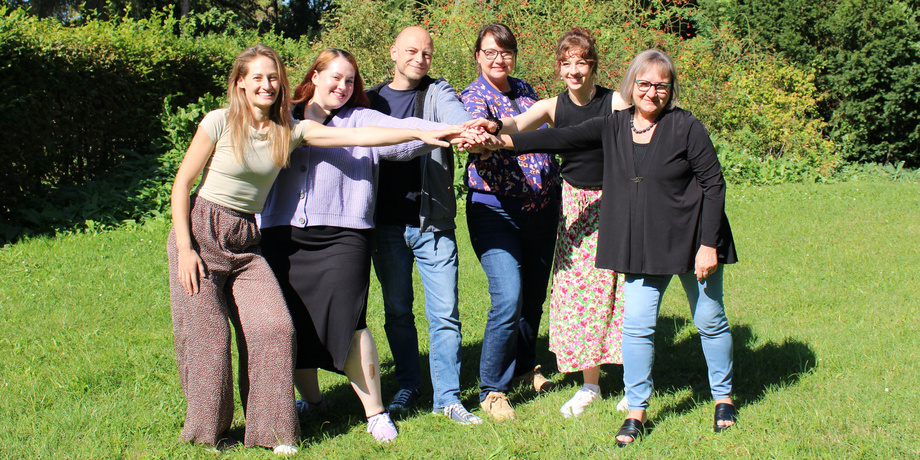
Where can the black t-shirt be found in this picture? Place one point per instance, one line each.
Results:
(400, 182)
(583, 168)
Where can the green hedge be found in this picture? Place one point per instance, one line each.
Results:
(82, 108)
(76, 100)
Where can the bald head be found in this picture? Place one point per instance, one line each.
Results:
(411, 51)
(413, 34)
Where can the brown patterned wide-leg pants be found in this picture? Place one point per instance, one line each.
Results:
(238, 286)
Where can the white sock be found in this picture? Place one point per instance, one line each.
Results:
(592, 387)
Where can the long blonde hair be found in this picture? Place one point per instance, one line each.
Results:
(240, 118)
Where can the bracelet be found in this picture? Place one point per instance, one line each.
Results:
(497, 122)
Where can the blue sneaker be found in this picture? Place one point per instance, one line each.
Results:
(308, 409)
(404, 399)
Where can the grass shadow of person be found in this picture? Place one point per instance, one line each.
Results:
(471, 352)
(346, 413)
(758, 367)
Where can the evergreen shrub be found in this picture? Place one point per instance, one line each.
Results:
(866, 58)
(75, 100)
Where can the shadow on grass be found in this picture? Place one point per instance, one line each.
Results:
(346, 412)
(679, 366)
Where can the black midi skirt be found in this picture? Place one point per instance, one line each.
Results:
(324, 273)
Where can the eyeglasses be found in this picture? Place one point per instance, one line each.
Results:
(661, 88)
(492, 54)
(412, 52)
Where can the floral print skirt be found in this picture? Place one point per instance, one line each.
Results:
(586, 303)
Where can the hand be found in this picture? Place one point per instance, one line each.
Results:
(482, 124)
(191, 269)
(493, 142)
(470, 138)
(437, 137)
(484, 153)
(707, 262)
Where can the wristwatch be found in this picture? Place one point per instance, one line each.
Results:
(497, 122)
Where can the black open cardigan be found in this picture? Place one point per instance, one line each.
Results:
(652, 222)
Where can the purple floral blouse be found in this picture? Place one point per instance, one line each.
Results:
(532, 177)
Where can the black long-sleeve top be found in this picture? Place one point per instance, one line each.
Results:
(655, 217)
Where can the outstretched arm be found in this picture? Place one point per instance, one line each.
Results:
(191, 268)
(370, 136)
(542, 112)
(588, 134)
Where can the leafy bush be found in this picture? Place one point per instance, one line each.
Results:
(754, 103)
(81, 107)
(138, 188)
(866, 55)
(109, 105)
(179, 124)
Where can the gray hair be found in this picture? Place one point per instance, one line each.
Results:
(644, 61)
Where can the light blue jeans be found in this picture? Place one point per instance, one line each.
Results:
(642, 300)
(435, 255)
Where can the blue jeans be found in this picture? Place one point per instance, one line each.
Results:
(642, 300)
(515, 249)
(435, 255)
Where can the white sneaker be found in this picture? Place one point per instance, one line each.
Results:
(575, 406)
(285, 449)
(623, 405)
(381, 427)
(459, 414)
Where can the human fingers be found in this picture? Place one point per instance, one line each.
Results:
(477, 123)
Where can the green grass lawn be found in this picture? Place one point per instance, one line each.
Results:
(823, 305)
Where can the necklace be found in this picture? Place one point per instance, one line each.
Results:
(640, 131)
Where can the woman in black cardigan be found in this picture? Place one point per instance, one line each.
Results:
(665, 216)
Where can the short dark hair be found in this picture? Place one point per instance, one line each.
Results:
(502, 35)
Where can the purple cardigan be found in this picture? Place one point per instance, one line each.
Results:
(337, 186)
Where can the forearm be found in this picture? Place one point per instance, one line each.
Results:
(539, 114)
(449, 109)
(373, 136)
(509, 125)
(181, 206)
(196, 157)
(558, 140)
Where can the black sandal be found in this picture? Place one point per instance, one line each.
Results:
(632, 428)
(725, 412)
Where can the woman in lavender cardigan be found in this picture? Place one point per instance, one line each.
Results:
(317, 225)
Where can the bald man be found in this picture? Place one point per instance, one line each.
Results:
(416, 207)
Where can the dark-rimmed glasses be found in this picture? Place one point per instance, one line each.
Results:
(492, 54)
(661, 88)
